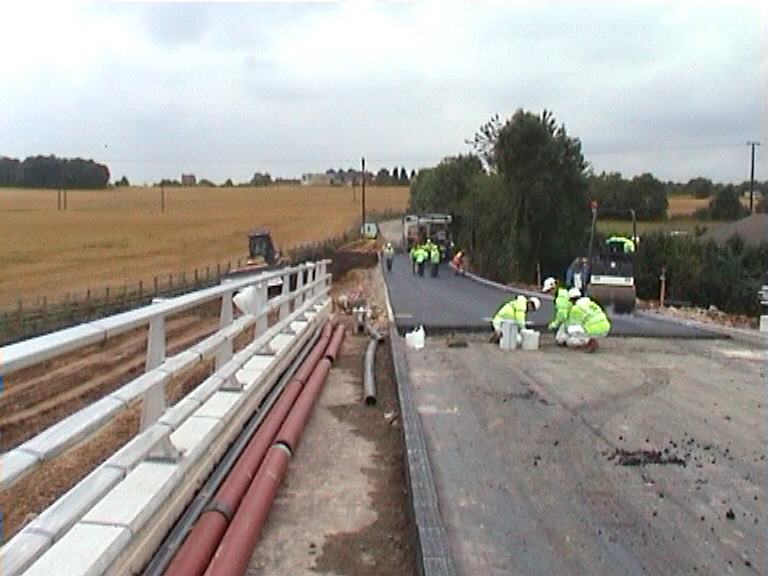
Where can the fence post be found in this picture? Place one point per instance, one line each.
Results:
(153, 403)
(262, 322)
(298, 295)
(224, 354)
(20, 319)
(285, 307)
(311, 277)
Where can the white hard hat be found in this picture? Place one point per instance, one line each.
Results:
(536, 302)
(549, 284)
(574, 293)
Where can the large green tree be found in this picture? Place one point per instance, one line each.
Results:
(544, 176)
(442, 189)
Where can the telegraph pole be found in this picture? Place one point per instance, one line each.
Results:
(752, 177)
(363, 193)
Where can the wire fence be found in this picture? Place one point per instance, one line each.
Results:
(29, 318)
(42, 315)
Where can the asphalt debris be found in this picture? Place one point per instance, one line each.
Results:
(645, 457)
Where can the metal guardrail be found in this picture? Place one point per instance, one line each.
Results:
(298, 310)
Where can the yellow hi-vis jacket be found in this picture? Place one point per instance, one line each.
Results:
(512, 310)
(590, 316)
(562, 309)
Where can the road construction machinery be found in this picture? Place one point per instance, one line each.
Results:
(606, 274)
(262, 256)
(436, 227)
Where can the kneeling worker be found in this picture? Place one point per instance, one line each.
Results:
(586, 322)
(515, 310)
(562, 308)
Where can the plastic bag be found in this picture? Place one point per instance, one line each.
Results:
(416, 338)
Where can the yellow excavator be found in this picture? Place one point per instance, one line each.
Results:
(262, 256)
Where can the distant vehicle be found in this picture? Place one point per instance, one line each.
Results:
(262, 256)
(417, 229)
(370, 230)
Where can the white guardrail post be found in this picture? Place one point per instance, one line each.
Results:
(153, 403)
(285, 307)
(261, 307)
(225, 351)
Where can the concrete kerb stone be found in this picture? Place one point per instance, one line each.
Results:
(430, 538)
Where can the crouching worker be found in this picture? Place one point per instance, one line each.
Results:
(586, 322)
(515, 310)
(562, 308)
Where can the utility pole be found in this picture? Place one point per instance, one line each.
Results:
(363, 193)
(752, 178)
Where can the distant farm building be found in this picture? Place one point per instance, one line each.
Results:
(188, 180)
(336, 178)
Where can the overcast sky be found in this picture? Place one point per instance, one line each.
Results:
(224, 90)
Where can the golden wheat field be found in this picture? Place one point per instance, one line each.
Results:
(127, 235)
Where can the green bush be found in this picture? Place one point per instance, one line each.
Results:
(703, 274)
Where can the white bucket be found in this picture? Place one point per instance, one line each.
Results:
(415, 339)
(508, 339)
(530, 340)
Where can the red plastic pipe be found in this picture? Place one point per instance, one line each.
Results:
(200, 544)
(335, 345)
(236, 547)
(234, 552)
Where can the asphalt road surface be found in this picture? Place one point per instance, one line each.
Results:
(450, 302)
(646, 457)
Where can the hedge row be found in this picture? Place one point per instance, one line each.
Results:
(702, 274)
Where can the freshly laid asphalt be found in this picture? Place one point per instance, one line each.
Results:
(450, 302)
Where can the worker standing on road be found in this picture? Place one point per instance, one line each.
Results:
(586, 322)
(389, 254)
(458, 262)
(562, 308)
(434, 257)
(421, 256)
(516, 310)
(412, 254)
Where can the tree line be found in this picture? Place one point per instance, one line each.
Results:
(52, 172)
(521, 207)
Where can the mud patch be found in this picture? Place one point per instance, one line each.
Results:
(645, 457)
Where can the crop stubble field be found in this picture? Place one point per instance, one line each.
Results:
(123, 235)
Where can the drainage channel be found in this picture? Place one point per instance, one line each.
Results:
(218, 531)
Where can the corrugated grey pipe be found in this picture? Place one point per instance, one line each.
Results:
(369, 380)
